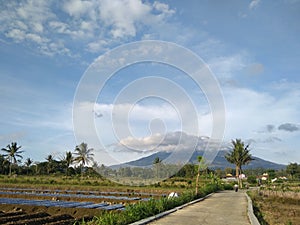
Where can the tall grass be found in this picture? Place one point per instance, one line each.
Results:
(141, 210)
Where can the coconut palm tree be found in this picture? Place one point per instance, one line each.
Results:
(67, 161)
(28, 162)
(239, 155)
(13, 152)
(157, 163)
(50, 161)
(84, 155)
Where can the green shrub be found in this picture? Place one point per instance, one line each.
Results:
(228, 186)
(252, 179)
(144, 209)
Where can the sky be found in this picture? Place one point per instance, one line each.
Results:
(48, 48)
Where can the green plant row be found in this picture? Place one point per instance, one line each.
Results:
(141, 210)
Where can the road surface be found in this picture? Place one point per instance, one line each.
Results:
(226, 207)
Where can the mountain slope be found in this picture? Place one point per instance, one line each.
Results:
(218, 162)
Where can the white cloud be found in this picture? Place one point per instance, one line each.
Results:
(253, 4)
(248, 111)
(164, 8)
(227, 66)
(87, 23)
(35, 38)
(114, 14)
(77, 7)
(16, 34)
(98, 46)
(37, 27)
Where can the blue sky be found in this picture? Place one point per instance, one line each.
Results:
(252, 48)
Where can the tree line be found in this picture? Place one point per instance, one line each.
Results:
(70, 164)
(78, 161)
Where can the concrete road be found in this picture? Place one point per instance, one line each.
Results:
(227, 207)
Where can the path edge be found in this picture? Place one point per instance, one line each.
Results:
(160, 215)
(253, 219)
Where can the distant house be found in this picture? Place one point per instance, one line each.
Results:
(242, 176)
(229, 177)
(264, 177)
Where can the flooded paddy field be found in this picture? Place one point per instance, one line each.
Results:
(59, 206)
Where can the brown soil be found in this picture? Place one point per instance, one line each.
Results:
(25, 214)
(278, 210)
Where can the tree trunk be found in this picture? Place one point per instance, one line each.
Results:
(237, 174)
(10, 169)
(81, 170)
(197, 179)
(197, 182)
(10, 165)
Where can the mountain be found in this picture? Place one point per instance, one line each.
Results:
(219, 161)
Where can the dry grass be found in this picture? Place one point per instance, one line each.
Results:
(276, 210)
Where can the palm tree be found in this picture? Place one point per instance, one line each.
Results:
(13, 152)
(239, 155)
(83, 154)
(157, 162)
(28, 162)
(69, 159)
(50, 159)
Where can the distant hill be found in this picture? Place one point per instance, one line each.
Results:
(219, 161)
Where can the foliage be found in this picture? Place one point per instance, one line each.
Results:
(239, 155)
(293, 169)
(252, 179)
(84, 155)
(12, 153)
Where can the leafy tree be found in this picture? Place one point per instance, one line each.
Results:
(13, 152)
(252, 179)
(84, 155)
(228, 170)
(188, 170)
(4, 165)
(293, 169)
(239, 155)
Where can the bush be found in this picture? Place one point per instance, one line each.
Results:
(252, 179)
(228, 186)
